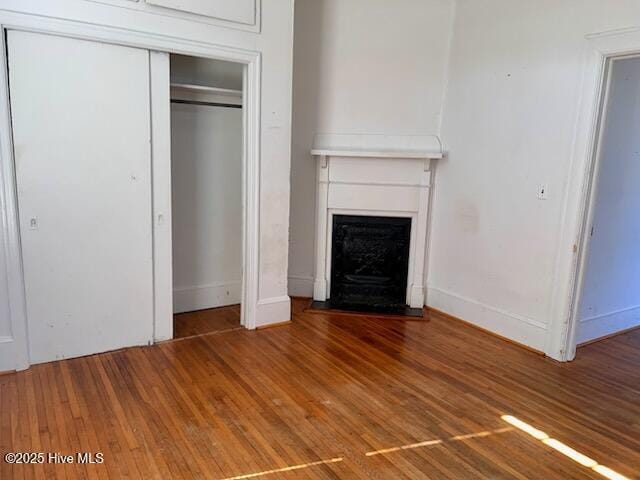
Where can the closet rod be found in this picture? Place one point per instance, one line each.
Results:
(204, 88)
(207, 104)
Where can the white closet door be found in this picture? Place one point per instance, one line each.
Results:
(81, 126)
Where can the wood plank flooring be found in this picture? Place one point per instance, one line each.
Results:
(201, 322)
(330, 397)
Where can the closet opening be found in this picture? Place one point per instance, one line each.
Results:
(207, 194)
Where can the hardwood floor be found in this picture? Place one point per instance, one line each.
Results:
(331, 397)
(211, 320)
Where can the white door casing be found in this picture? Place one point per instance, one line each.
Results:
(13, 329)
(570, 264)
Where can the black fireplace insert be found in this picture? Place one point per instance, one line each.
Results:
(369, 263)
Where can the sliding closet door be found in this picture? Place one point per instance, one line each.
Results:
(81, 127)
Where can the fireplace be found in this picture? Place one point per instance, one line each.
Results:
(372, 210)
(369, 262)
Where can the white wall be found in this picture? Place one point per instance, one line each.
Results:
(509, 117)
(206, 173)
(611, 295)
(360, 66)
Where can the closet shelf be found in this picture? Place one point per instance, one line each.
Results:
(205, 89)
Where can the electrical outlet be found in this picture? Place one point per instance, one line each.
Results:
(543, 192)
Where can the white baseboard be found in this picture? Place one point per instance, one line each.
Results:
(515, 327)
(274, 310)
(301, 286)
(606, 324)
(188, 299)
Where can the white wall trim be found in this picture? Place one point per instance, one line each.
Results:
(614, 312)
(301, 285)
(381, 184)
(605, 324)
(136, 5)
(200, 297)
(570, 261)
(14, 353)
(519, 328)
(273, 310)
(377, 142)
(251, 194)
(273, 300)
(612, 33)
(159, 76)
(499, 311)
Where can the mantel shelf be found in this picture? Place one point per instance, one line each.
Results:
(418, 154)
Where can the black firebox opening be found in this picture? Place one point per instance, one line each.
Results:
(369, 263)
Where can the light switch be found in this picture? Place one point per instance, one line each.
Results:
(33, 223)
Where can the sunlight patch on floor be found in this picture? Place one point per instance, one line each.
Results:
(403, 447)
(286, 469)
(428, 443)
(564, 449)
(557, 445)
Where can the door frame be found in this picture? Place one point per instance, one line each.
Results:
(600, 49)
(17, 354)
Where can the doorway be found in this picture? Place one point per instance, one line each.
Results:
(206, 194)
(608, 297)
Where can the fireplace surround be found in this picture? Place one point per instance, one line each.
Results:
(371, 176)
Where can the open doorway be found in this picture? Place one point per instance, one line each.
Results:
(207, 179)
(608, 301)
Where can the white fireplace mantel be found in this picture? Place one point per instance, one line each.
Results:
(358, 153)
(381, 176)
